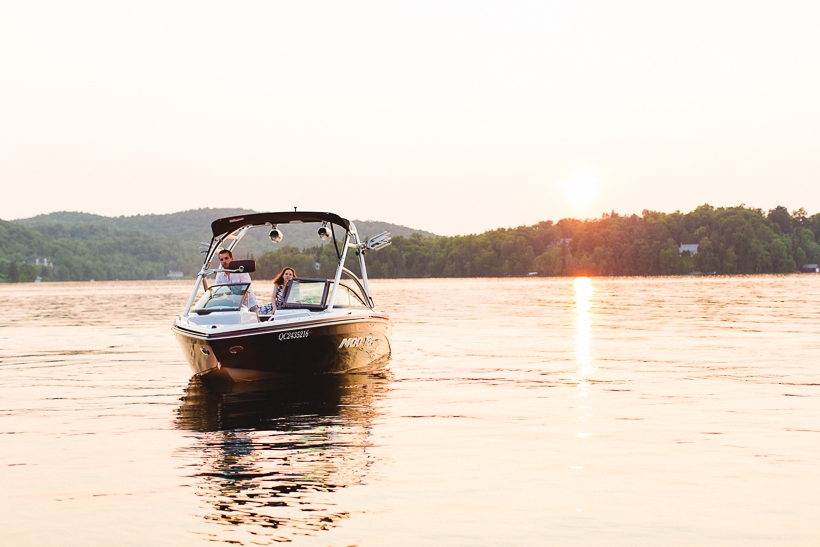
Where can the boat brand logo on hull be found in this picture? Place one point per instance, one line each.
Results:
(356, 342)
(294, 334)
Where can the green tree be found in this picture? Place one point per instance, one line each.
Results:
(551, 262)
(706, 259)
(669, 259)
(27, 273)
(800, 257)
(781, 217)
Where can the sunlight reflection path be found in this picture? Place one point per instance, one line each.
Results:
(584, 291)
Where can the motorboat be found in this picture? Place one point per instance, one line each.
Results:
(323, 325)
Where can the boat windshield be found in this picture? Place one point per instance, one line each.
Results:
(306, 294)
(222, 298)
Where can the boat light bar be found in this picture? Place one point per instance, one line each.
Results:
(324, 232)
(275, 235)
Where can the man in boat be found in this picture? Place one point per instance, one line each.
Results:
(225, 257)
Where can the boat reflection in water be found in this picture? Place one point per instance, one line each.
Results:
(269, 455)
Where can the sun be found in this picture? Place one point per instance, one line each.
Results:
(580, 188)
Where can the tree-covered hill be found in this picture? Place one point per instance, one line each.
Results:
(194, 226)
(81, 246)
(79, 252)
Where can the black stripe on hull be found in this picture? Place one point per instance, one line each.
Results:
(313, 348)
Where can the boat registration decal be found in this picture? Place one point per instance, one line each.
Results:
(356, 342)
(294, 334)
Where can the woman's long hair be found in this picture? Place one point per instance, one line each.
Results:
(280, 279)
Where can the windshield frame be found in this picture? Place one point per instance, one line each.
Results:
(315, 307)
(242, 302)
(354, 295)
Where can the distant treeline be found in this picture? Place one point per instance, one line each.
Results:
(733, 240)
(191, 227)
(81, 252)
(81, 246)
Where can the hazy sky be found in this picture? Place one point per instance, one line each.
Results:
(454, 117)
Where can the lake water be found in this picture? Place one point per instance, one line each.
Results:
(610, 411)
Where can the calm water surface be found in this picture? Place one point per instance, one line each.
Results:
(674, 411)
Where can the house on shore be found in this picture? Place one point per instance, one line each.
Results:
(691, 248)
(561, 242)
(40, 261)
(810, 268)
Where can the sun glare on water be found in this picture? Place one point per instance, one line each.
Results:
(580, 188)
(584, 291)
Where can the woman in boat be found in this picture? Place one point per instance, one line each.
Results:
(279, 283)
(278, 296)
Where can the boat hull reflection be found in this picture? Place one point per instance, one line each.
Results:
(269, 455)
